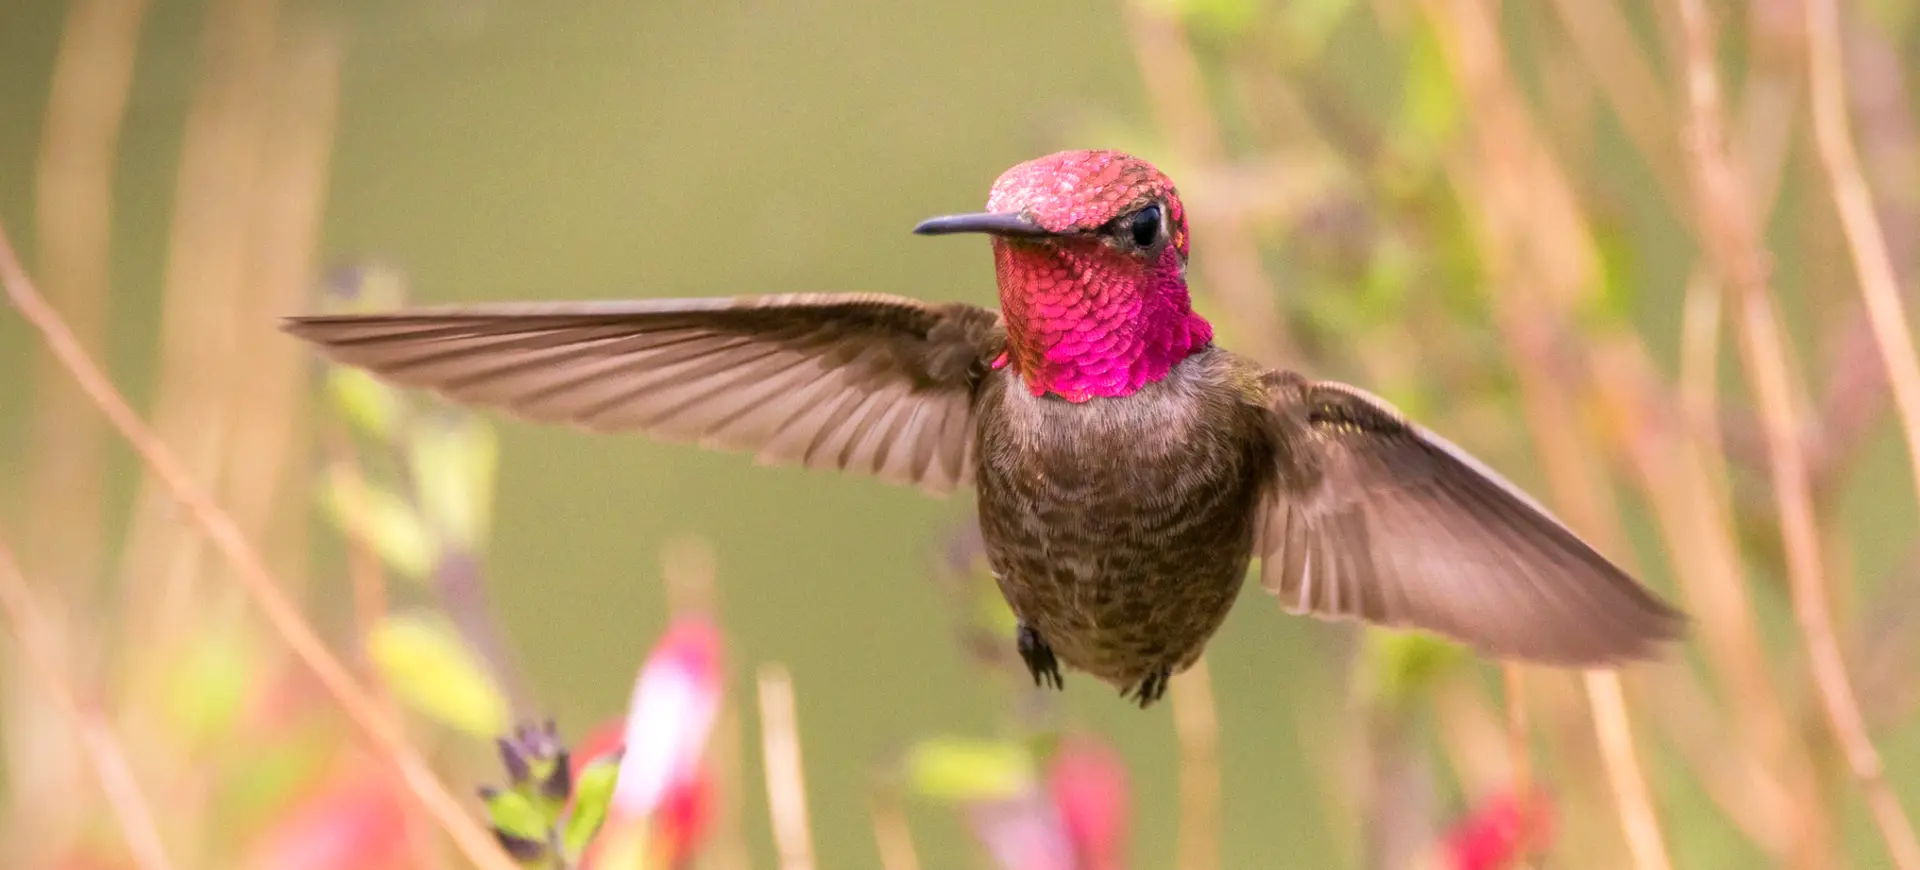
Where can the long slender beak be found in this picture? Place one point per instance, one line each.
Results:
(997, 223)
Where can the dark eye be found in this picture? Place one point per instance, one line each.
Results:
(1144, 226)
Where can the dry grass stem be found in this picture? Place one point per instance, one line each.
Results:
(73, 217)
(1628, 81)
(1540, 254)
(1731, 239)
(38, 651)
(1196, 723)
(1765, 123)
(1675, 467)
(1630, 793)
(205, 282)
(364, 571)
(1872, 260)
(1889, 149)
(1230, 260)
(251, 572)
(367, 577)
(264, 482)
(786, 785)
(690, 570)
(1474, 737)
(1519, 742)
(1747, 794)
(891, 834)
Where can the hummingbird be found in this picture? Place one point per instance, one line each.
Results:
(1128, 470)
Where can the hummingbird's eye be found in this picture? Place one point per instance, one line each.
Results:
(1141, 227)
(1144, 226)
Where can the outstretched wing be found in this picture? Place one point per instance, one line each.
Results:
(875, 384)
(1378, 519)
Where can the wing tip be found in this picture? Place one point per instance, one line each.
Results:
(298, 325)
(320, 330)
(1649, 631)
(1649, 638)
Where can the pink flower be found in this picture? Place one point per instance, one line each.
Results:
(1088, 783)
(674, 703)
(682, 819)
(1076, 819)
(353, 820)
(1497, 834)
(1021, 833)
(662, 802)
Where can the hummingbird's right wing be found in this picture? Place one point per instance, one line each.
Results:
(1374, 517)
(876, 384)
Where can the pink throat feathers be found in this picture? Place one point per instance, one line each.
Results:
(1086, 322)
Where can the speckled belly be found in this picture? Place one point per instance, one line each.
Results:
(1120, 530)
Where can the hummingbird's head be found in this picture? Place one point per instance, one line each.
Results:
(1090, 248)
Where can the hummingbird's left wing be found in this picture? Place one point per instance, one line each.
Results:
(1374, 517)
(875, 384)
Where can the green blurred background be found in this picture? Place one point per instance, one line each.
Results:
(494, 150)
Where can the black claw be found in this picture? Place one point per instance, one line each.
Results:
(1039, 658)
(1151, 689)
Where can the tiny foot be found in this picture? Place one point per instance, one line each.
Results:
(1150, 689)
(1039, 658)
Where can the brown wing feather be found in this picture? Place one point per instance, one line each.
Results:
(1377, 519)
(881, 385)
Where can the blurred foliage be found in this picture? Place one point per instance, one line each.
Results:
(426, 664)
(968, 770)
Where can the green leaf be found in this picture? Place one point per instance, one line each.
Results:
(425, 663)
(592, 793)
(380, 520)
(1611, 308)
(453, 458)
(1309, 23)
(208, 684)
(1430, 111)
(511, 813)
(1043, 743)
(1400, 666)
(1220, 17)
(956, 769)
(277, 772)
(365, 403)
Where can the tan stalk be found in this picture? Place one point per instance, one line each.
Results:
(1872, 262)
(39, 651)
(251, 572)
(1541, 263)
(1196, 723)
(786, 783)
(1229, 262)
(1732, 240)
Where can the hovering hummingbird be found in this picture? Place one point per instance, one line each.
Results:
(1128, 470)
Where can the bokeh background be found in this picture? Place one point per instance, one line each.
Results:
(1484, 211)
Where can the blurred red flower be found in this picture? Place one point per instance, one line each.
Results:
(354, 820)
(663, 801)
(1088, 783)
(1498, 833)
